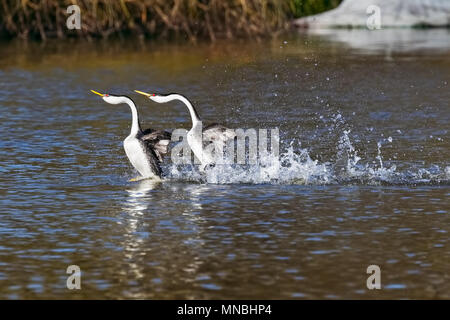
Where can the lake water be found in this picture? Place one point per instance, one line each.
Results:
(364, 175)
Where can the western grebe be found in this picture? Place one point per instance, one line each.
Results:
(144, 148)
(214, 133)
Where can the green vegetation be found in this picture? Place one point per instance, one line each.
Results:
(192, 19)
(301, 8)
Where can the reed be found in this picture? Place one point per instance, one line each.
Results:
(192, 19)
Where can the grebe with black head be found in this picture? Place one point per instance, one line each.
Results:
(213, 133)
(144, 148)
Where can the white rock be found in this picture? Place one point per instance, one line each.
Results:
(393, 13)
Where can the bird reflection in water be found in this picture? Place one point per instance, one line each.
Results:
(138, 196)
(135, 246)
(182, 230)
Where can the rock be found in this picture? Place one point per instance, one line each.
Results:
(389, 40)
(393, 13)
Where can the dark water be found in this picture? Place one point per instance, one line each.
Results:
(364, 180)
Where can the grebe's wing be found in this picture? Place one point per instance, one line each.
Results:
(217, 133)
(158, 141)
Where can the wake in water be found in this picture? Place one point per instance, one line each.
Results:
(297, 167)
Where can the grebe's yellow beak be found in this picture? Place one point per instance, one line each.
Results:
(100, 94)
(144, 93)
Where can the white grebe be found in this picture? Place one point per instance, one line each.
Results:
(213, 133)
(144, 149)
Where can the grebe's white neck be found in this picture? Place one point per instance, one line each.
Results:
(135, 126)
(175, 96)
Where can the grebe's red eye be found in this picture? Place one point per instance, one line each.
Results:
(153, 94)
(106, 95)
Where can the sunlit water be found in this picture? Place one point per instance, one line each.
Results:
(362, 179)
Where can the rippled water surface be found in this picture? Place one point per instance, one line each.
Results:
(363, 176)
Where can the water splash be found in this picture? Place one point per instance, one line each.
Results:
(295, 166)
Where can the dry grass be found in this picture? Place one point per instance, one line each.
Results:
(192, 19)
